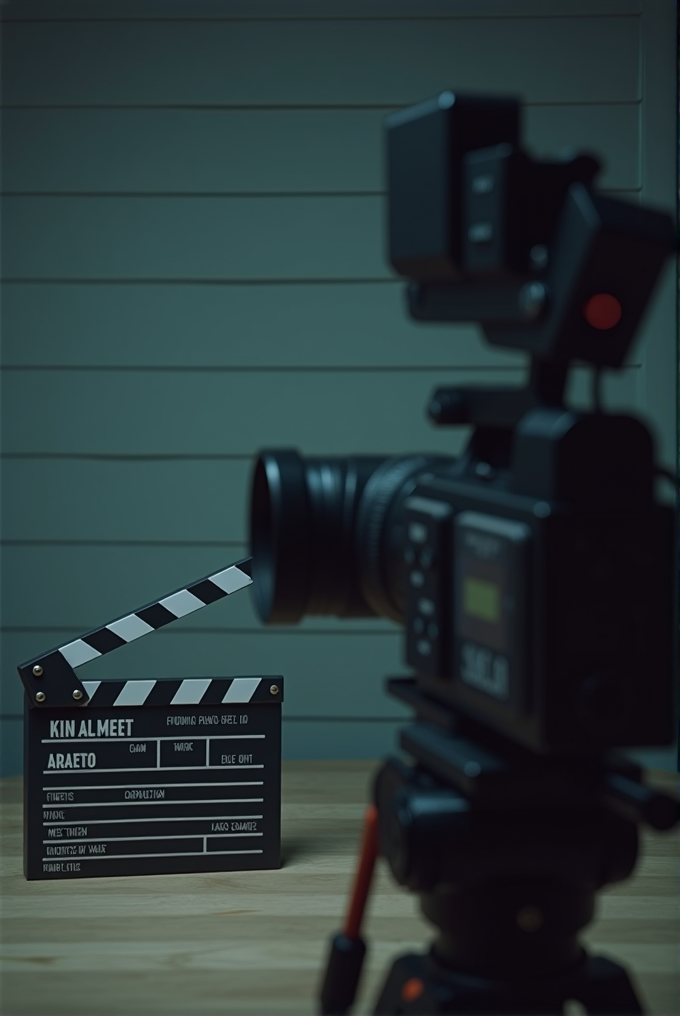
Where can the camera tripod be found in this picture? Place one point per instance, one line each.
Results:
(507, 857)
(533, 576)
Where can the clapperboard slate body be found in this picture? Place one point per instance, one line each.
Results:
(150, 776)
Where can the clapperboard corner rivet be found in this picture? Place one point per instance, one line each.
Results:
(274, 689)
(77, 693)
(40, 696)
(37, 670)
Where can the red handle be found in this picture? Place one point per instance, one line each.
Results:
(362, 885)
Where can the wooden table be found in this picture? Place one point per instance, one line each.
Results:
(239, 943)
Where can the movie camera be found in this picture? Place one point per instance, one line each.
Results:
(534, 575)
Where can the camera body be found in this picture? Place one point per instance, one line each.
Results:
(540, 602)
(535, 575)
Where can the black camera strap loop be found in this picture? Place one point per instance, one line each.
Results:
(50, 679)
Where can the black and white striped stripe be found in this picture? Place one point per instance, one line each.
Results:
(194, 691)
(155, 615)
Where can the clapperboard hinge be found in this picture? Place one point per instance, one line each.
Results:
(50, 679)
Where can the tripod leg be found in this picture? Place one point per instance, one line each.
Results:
(606, 989)
(346, 957)
(414, 987)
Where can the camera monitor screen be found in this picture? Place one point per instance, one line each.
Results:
(490, 604)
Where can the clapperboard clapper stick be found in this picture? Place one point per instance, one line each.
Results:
(128, 777)
(50, 679)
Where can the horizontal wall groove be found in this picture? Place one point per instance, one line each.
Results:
(209, 195)
(328, 19)
(123, 457)
(345, 281)
(294, 632)
(122, 543)
(269, 369)
(306, 409)
(254, 107)
(284, 107)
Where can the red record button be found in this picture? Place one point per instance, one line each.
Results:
(413, 989)
(602, 311)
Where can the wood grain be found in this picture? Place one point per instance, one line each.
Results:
(241, 943)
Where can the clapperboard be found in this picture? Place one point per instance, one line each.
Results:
(149, 777)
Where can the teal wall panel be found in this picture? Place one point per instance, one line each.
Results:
(218, 151)
(344, 62)
(220, 413)
(343, 324)
(188, 499)
(11, 745)
(659, 165)
(212, 412)
(90, 500)
(82, 587)
(206, 195)
(318, 668)
(192, 238)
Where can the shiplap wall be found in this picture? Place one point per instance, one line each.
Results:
(193, 268)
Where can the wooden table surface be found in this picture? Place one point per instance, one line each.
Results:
(255, 942)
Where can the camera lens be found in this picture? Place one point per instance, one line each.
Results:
(302, 521)
(327, 535)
